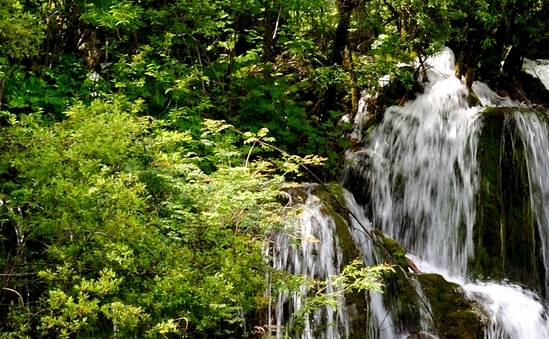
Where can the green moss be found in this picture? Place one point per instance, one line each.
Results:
(334, 204)
(402, 301)
(473, 99)
(454, 314)
(370, 124)
(400, 296)
(505, 226)
(394, 249)
(489, 213)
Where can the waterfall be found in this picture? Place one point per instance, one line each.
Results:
(513, 313)
(539, 69)
(311, 250)
(423, 173)
(510, 311)
(420, 181)
(421, 177)
(534, 130)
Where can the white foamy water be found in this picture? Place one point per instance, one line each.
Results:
(539, 69)
(488, 98)
(533, 128)
(380, 324)
(437, 68)
(512, 312)
(423, 176)
(509, 311)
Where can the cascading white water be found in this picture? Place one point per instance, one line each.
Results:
(316, 254)
(510, 311)
(423, 176)
(380, 323)
(539, 69)
(535, 134)
(513, 313)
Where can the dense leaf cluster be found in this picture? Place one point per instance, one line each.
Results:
(121, 227)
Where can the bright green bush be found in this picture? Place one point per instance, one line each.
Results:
(127, 235)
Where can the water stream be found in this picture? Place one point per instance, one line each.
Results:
(423, 178)
(534, 130)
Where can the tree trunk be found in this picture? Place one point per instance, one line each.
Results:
(345, 8)
(1, 93)
(268, 38)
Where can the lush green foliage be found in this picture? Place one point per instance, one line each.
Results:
(253, 63)
(125, 227)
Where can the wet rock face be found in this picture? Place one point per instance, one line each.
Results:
(521, 87)
(452, 315)
(334, 206)
(455, 316)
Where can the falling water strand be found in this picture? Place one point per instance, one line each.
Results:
(489, 98)
(509, 311)
(534, 132)
(380, 320)
(315, 254)
(422, 176)
(423, 173)
(513, 312)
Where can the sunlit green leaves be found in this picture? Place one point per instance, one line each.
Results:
(135, 234)
(21, 32)
(114, 14)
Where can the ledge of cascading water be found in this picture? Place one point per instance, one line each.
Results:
(539, 69)
(422, 169)
(534, 129)
(320, 244)
(508, 236)
(421, 181)
(323, 239)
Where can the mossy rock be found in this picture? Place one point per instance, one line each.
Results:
(334, 205)
(394, 249)
(505, 229)
(403, 302)
(522, 87)
(473, 99)
(400, 296)
(455, 316)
